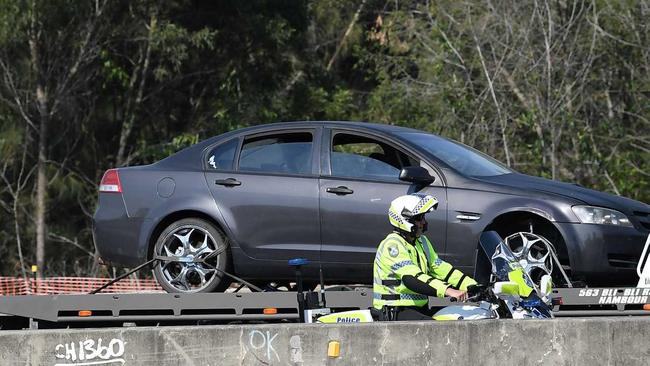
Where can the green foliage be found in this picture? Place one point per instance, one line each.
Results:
(162, 150)
(12, 19)
(156, 77)
(11, 140)
(112, 72)
(174, 44)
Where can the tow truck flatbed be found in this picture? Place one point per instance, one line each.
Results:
(54, 311)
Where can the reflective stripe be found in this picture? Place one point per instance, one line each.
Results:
(451, 271)
(413, 297)
(425, 246)
(460, 282)
(401, 264)
(396, 297)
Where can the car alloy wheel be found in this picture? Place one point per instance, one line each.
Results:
(533, 252)
(191, 251)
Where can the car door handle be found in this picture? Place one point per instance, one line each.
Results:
(340, 190)
(229, 182)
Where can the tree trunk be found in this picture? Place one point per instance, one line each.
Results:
(43, 112)
(136, 98)
(41, 180)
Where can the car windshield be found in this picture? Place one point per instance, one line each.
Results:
(462, 158)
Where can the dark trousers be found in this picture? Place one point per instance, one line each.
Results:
(407, 313)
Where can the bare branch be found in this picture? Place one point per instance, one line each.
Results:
(611, 182)
(62, 239)
(354, 20)
(496, 103)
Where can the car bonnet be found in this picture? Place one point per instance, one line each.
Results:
(573, 191)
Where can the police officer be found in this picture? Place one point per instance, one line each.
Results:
(407, 270)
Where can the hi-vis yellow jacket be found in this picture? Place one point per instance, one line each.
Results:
(396, 258)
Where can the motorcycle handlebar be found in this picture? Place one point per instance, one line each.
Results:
(474, 293)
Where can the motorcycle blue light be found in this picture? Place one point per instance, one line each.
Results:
(298, 262)
(531, 303)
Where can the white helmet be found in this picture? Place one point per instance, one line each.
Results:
(404, 208)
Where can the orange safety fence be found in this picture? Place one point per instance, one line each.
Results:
(73, 285)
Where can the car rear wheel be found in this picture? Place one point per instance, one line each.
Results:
(194, 255)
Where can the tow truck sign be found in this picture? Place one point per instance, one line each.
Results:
(643, 268)
(617, 296)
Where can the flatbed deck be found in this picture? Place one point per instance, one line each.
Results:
(282, 306)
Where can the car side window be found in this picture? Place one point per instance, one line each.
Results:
(364, 157)
(222, 156)
(289, 153)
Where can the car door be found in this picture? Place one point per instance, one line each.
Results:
(269, 198)
(359, 180)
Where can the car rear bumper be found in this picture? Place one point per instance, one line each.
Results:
(117, 236)
(603, 251)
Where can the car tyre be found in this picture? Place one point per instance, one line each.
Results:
(536, 273)
(192, 243)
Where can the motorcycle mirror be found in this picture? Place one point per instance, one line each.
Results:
(506, 288)
(546, 285)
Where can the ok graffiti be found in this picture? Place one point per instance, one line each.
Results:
(259, 340)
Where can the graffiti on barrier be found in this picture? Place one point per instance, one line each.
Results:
(90, 352)
(263, 341)
(295, 350)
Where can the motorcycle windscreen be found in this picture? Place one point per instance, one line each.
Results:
(488, 243)
(496, 258)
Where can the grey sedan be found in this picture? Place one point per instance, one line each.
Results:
(247, 201)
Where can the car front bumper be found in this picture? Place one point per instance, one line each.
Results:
(604, 252)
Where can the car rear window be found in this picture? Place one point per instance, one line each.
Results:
(222, 156)
(288, 153)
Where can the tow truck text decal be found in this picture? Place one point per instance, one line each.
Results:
(617, 296)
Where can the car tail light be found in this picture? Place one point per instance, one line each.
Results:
(111, 182)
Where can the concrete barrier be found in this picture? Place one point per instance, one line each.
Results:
(604, 341)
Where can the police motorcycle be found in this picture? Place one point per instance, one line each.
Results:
(511, 292)
(505, 268)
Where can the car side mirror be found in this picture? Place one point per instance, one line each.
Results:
(417, 175)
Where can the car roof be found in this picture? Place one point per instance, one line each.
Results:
(188, 155)
(281, 125)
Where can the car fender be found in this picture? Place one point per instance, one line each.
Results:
(191, 205)
(553, 211)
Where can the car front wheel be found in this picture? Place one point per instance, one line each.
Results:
(533, 252)
(193, 256)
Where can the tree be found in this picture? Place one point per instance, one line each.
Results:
(45, 72)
